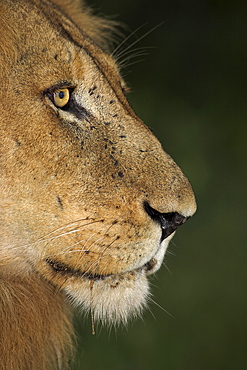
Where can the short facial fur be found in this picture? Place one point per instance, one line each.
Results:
(81, 185)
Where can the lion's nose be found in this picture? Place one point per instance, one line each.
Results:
(169, 222)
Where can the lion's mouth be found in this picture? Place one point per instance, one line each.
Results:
(66, 270)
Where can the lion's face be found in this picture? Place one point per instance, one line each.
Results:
(89, 199)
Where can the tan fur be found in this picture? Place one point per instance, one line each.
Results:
(35, 330)
(73, 184)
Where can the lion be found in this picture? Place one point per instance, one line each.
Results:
(89, 199)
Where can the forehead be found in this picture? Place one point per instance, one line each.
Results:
(53, 40)
(41, 22)
(38, 27)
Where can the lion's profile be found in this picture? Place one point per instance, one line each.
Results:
(89, 200)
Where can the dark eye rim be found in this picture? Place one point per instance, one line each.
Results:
(50, 94)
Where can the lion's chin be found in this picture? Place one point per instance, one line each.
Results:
(114, 299)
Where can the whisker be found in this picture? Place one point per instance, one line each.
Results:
(97, 240)
(100, 258)
(129, 57)
(151, 312)
(45, 239)
(64, 234)
(135, 52)
(130, 64)
(71, 231)
(139, 39)
(167, 268)
(114, 53)
(162, 308)
(71, 246)
(67, 225)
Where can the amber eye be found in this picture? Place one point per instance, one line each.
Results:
(61, 97)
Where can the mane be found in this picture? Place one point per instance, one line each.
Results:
(36, 331)
(8, 52)
(101, 30)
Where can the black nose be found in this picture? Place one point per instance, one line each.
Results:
(169, 222)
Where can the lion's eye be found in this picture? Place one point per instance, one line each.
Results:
(61, 97)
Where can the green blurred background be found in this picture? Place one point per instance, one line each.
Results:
(191, 89)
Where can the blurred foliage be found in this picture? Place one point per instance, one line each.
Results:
(192, 90)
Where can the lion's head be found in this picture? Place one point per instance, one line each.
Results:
(89, 199)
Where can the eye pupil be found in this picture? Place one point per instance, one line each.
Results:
(61, 94)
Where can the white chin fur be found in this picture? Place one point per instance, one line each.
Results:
(112, 300)
(115, 299)
(159, 256)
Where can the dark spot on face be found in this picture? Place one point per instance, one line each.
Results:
(56, 56)
(107, 123)
(114, 285)
(23, 58)
(18, 143)
(91, 91)
(151, 264)
(122, 136)
(82, 144)
(112, 101)
(115, 115)
(114, 160)
(120, 174)
(59, 201)
(86, 252)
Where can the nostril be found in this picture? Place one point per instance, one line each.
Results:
(169, 221)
